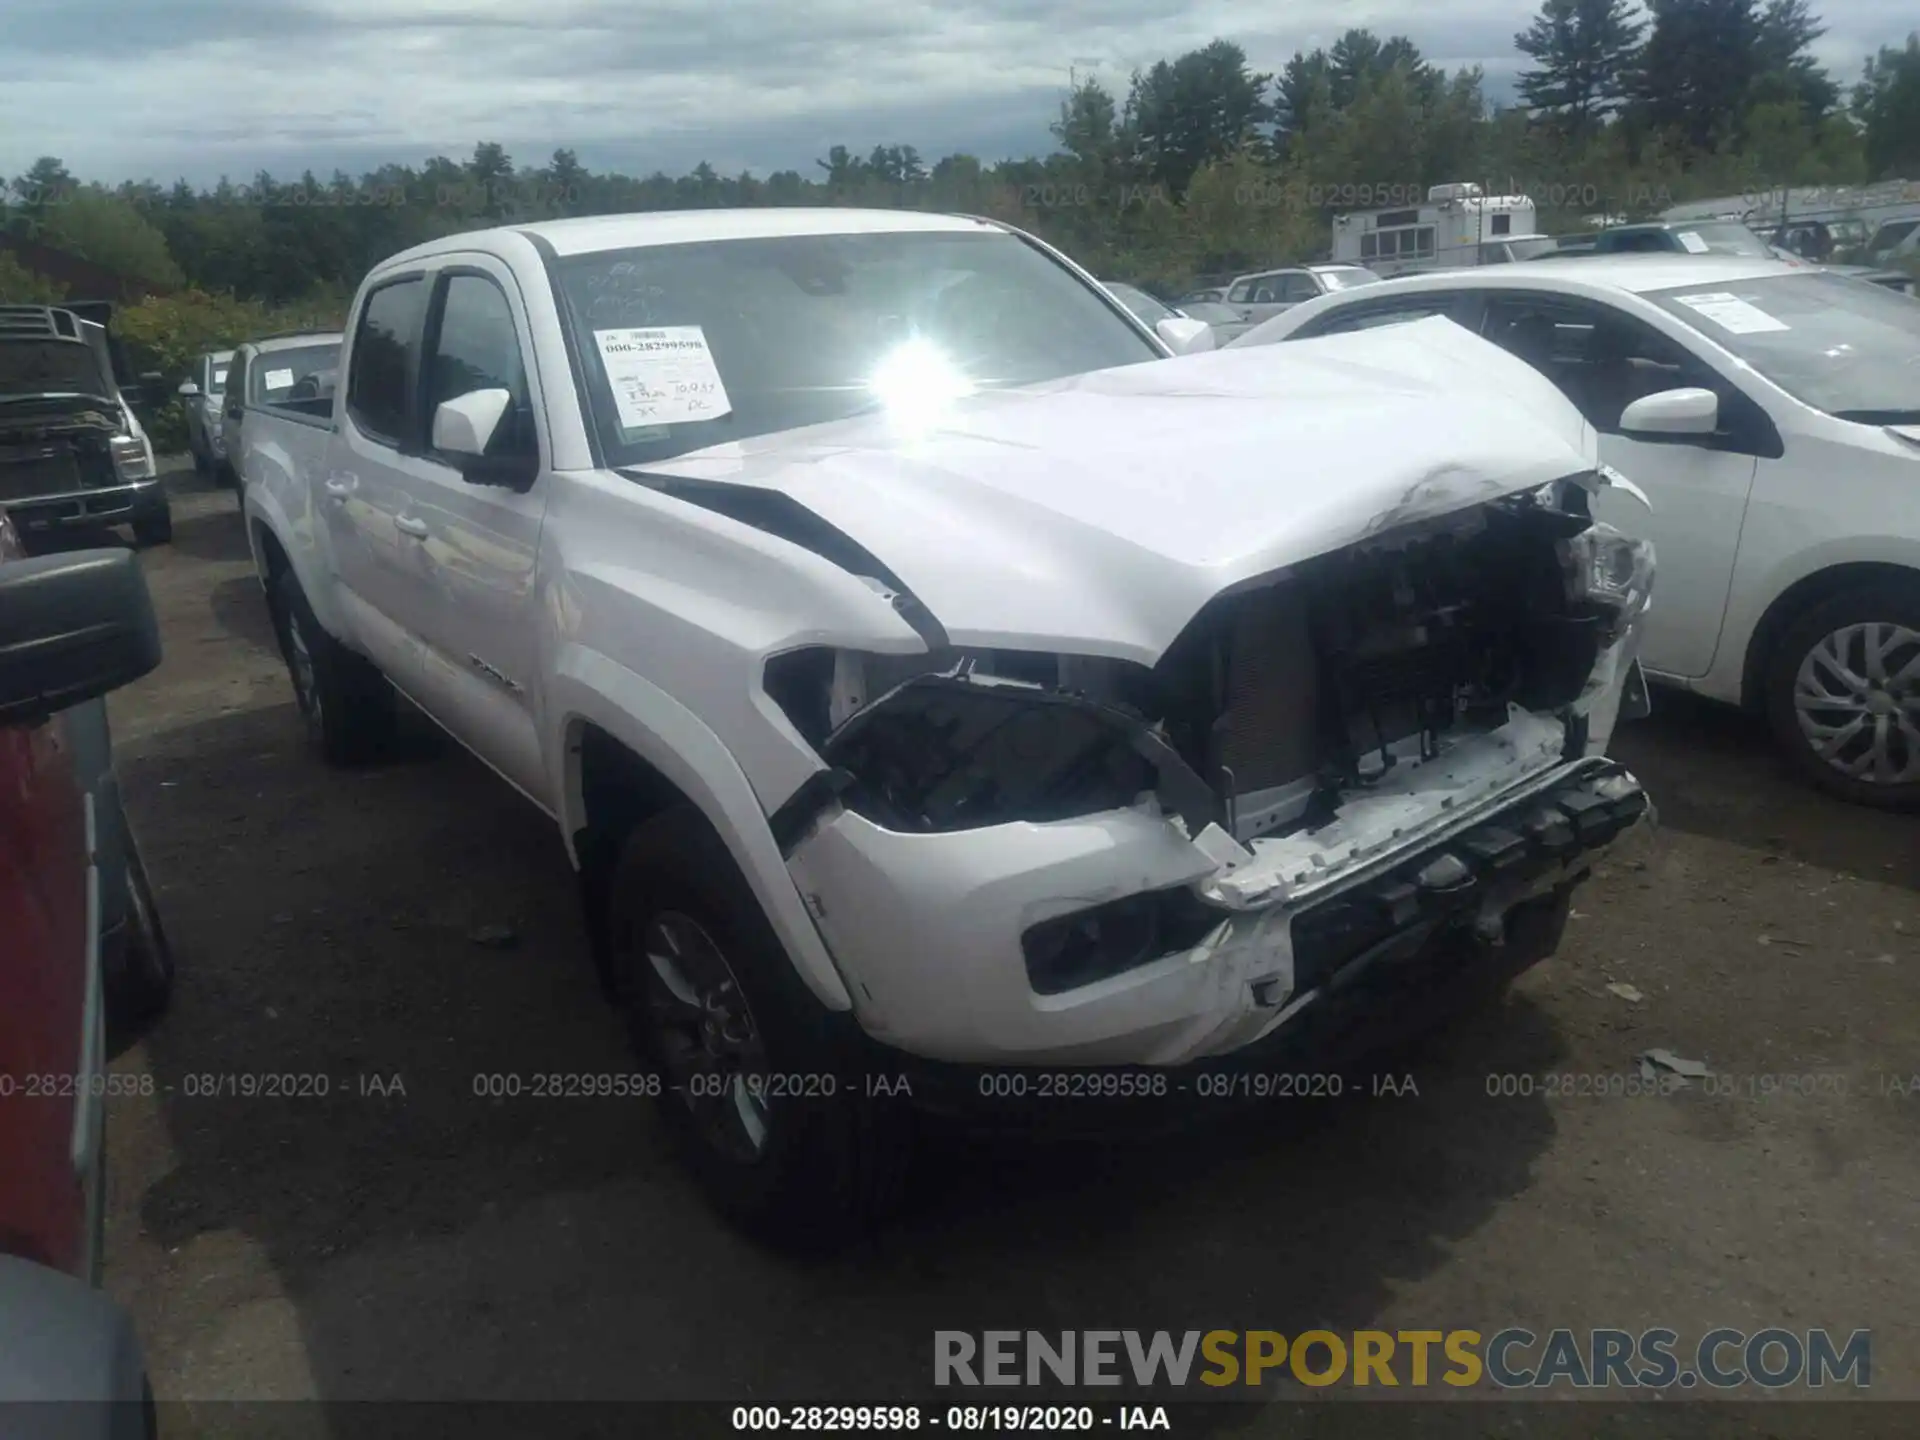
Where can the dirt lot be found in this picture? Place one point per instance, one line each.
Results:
(426, 1243)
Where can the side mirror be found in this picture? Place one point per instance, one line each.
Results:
(1185, 337)
(1687, 411)
(188, 390)
(72, 627)
(462, 429)
(463, 425)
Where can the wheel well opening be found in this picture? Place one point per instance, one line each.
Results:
(617, 790)
(1797, 598)
(271, 554)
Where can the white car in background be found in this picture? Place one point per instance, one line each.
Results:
(1273, 292)
(1772, 414)
(1895, 241)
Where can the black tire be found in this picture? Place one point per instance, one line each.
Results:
(202, 461)
(1893, 604)
(834, 1161)
(142, 984)
(155, 527)
(345, 702)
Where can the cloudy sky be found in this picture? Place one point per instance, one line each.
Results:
(164, 88)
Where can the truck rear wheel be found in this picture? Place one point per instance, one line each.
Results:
(763, 1093)
(346, 703)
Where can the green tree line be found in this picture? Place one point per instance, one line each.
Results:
(1202, 167)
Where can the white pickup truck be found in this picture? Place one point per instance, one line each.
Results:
(940, 689)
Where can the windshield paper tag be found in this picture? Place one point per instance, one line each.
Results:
(278, 379)
(1731, 313)
(1691, 243)
(662, 376)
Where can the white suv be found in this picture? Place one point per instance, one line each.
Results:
(1271, 292)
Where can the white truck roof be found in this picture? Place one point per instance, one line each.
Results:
(590, 233)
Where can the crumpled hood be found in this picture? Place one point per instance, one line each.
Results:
(1096, 515)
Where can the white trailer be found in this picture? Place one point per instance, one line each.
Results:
(1447, 231)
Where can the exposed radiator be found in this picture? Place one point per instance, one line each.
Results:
(1268, 734)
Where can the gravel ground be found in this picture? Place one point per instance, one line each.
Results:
(402, 1238)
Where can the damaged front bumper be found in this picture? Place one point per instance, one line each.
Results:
(938, 937)
(1325, 788)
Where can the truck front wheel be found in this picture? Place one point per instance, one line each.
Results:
(760, 1086)
(345, 702)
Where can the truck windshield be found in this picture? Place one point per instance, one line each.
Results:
(691, 345)
(50, 367)
(1842, 345)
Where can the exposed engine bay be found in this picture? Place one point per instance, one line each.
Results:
(54, 445)
(1279, 703)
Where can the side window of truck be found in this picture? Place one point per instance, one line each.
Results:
(477, 348)
(384, 346)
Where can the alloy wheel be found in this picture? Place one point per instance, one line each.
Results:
(1856, 696)
(706, 1035)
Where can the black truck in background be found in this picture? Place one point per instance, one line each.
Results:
(73, 452)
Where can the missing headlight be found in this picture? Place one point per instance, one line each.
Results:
(984, 739)
(949, 753)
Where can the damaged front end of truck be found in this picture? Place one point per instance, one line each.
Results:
(1369, 772)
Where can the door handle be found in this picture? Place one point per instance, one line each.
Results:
(407, 525)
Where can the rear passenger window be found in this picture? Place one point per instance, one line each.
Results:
(384, 349)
